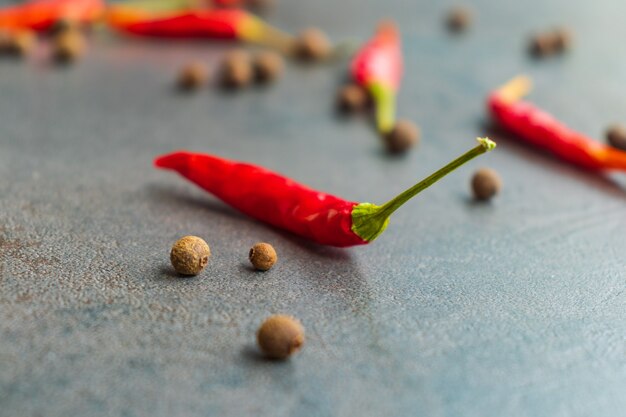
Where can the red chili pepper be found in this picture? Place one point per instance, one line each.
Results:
(284, 203)
(540, 128)
(378, 67)
(41, 15)
(213, 24)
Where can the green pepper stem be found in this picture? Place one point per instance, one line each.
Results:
(385, 103)
(370, 220)
(159, 5)
(255, 30)
(392, 205)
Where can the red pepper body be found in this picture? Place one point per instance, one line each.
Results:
(269, 197)
(540, 128)
(41, 15)
(380, 59)
(218, 23)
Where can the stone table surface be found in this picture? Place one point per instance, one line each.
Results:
(514, 308)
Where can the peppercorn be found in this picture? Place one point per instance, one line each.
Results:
(193, 76)
(68, 46)
(550, 43)
(280, 336)
(262, 256)
(312, 45)
(190, 255)
(403, 136)
(562, 39)
(616, 136)
(352, 98)
(236, 71)
(543, 44)
(486, 183)
(458, 19)
(18, 43)
(268, 66)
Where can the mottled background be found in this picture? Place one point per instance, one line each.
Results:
(515, 308)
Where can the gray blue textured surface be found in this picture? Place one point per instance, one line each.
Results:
(516, 308)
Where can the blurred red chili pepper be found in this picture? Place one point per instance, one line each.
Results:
(284, 203)
(378, 67)
(213, 24)
(540, 128)
(41, 15)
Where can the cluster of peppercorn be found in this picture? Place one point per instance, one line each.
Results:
(238, 70)
(191, 254)
(16, 43)
(549, 43)
(279, 336)
(67, 42)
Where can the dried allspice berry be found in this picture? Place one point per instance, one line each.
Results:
(193, 76)
(402, 137)
(616, 136)
(268, 66)
(562, 39)
(68, 46)
(312, 45)
(542, 45)
(458, 19)
(352, 98)
(486, 183)
(236, 71)
(189, 255)
(549, 43)
(17, 43)
(262, 256)
(280, 336)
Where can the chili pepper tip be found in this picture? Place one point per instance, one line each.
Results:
(170, 161)
(515, 89)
